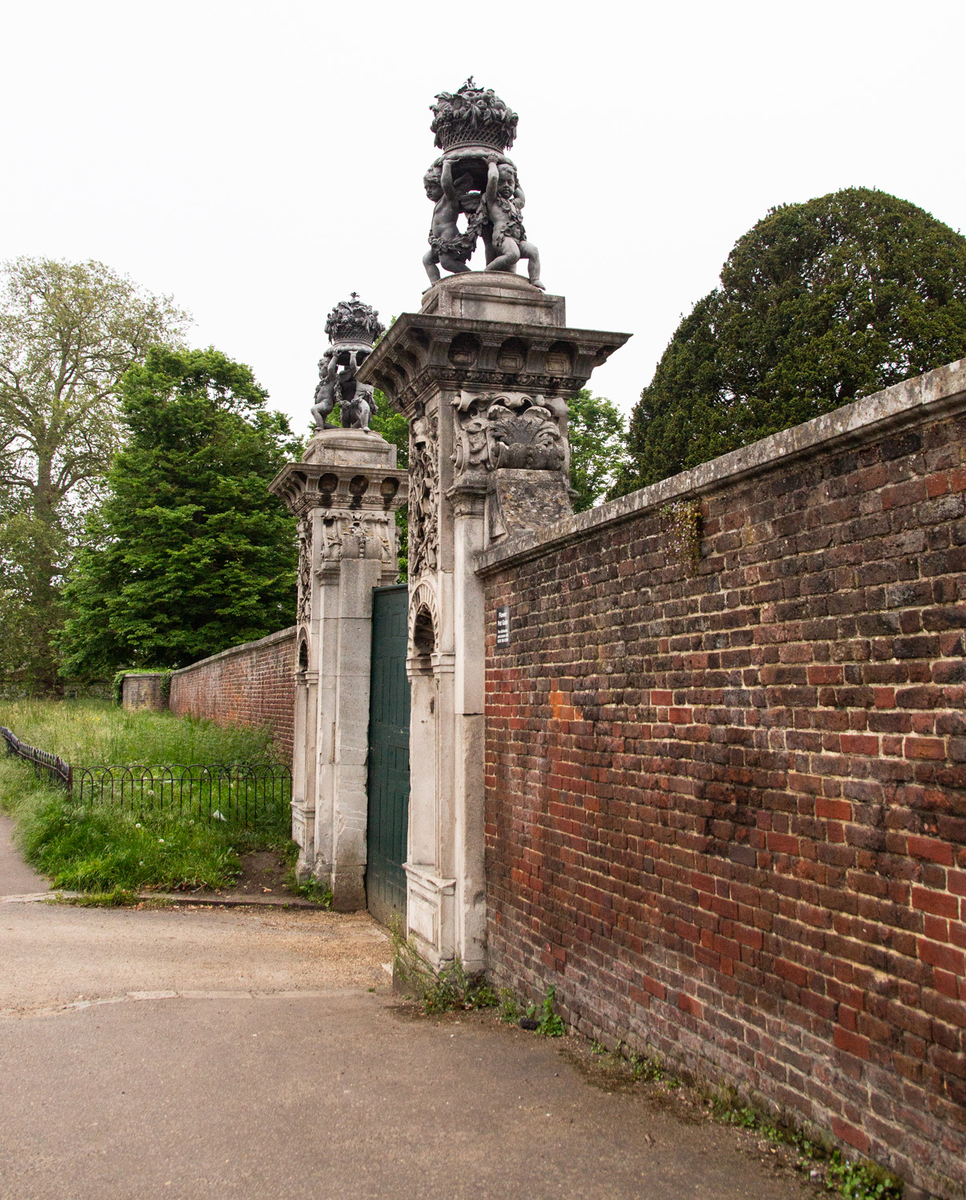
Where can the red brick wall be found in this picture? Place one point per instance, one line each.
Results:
(252, 684)
(726, 814)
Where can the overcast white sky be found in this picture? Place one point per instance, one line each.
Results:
(261, 161)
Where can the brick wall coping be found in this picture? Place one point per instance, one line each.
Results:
(905, 403)
(281, 636)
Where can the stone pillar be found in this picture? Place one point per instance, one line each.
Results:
(344, 494)
(483, 373)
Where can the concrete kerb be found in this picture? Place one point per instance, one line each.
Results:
(203, 901)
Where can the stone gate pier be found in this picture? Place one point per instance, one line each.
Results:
(483, 373)
(344, 494)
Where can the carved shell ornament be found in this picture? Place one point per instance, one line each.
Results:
(529, 440)
(507, 431)
(424, 623)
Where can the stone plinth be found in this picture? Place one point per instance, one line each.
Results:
(344, 494)
(493, 296)
(483, 373)
(350, 447)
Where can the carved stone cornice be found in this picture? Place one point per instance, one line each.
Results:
(423, 350)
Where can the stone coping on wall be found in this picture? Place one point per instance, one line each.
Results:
(911, 402)
(269, 640)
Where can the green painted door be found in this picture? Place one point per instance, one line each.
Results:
(388, 754)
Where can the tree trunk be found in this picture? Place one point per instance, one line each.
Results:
(43, 593)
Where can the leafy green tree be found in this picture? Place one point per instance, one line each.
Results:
(819, 304)
(596, 447)
(68, 331)
(190, 553)
(393, 426)
(395, 429)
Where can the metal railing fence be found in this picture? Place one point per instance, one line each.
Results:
(237, 795)
(241, 795)
(43, 763)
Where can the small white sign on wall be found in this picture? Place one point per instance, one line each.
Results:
(503, 626)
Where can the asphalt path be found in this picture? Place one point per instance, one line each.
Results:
(260, 1055)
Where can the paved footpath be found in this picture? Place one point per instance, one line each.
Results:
(16, 878)
(180, 1054)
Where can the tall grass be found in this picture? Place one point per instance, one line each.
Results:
(99, 848)
(84, 732)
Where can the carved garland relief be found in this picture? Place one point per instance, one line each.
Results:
(304, 608)
(423, 496)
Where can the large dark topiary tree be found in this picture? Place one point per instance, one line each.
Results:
(819, 304)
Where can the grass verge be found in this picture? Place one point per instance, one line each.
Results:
(115, 898)
(93, 731)
(110, 852)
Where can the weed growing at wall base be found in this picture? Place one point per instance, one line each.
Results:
(310, 889)
(509, 1006)
(862, 1180)
(544, 1020)
(448, 989)
(859, 1180)
(809, 1152)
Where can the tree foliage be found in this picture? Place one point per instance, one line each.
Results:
(819, 304)
(190, 553)
(67, 334)
(394, 428)
(596, 447)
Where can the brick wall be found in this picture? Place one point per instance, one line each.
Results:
(251, 684)
(726, 811)
(143, 691)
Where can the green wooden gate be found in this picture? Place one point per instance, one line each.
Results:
(388, 754)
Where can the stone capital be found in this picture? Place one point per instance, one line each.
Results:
(350, 470)
(468, 495)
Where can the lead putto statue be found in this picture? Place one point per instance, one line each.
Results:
(476, 182)
(352, 328)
